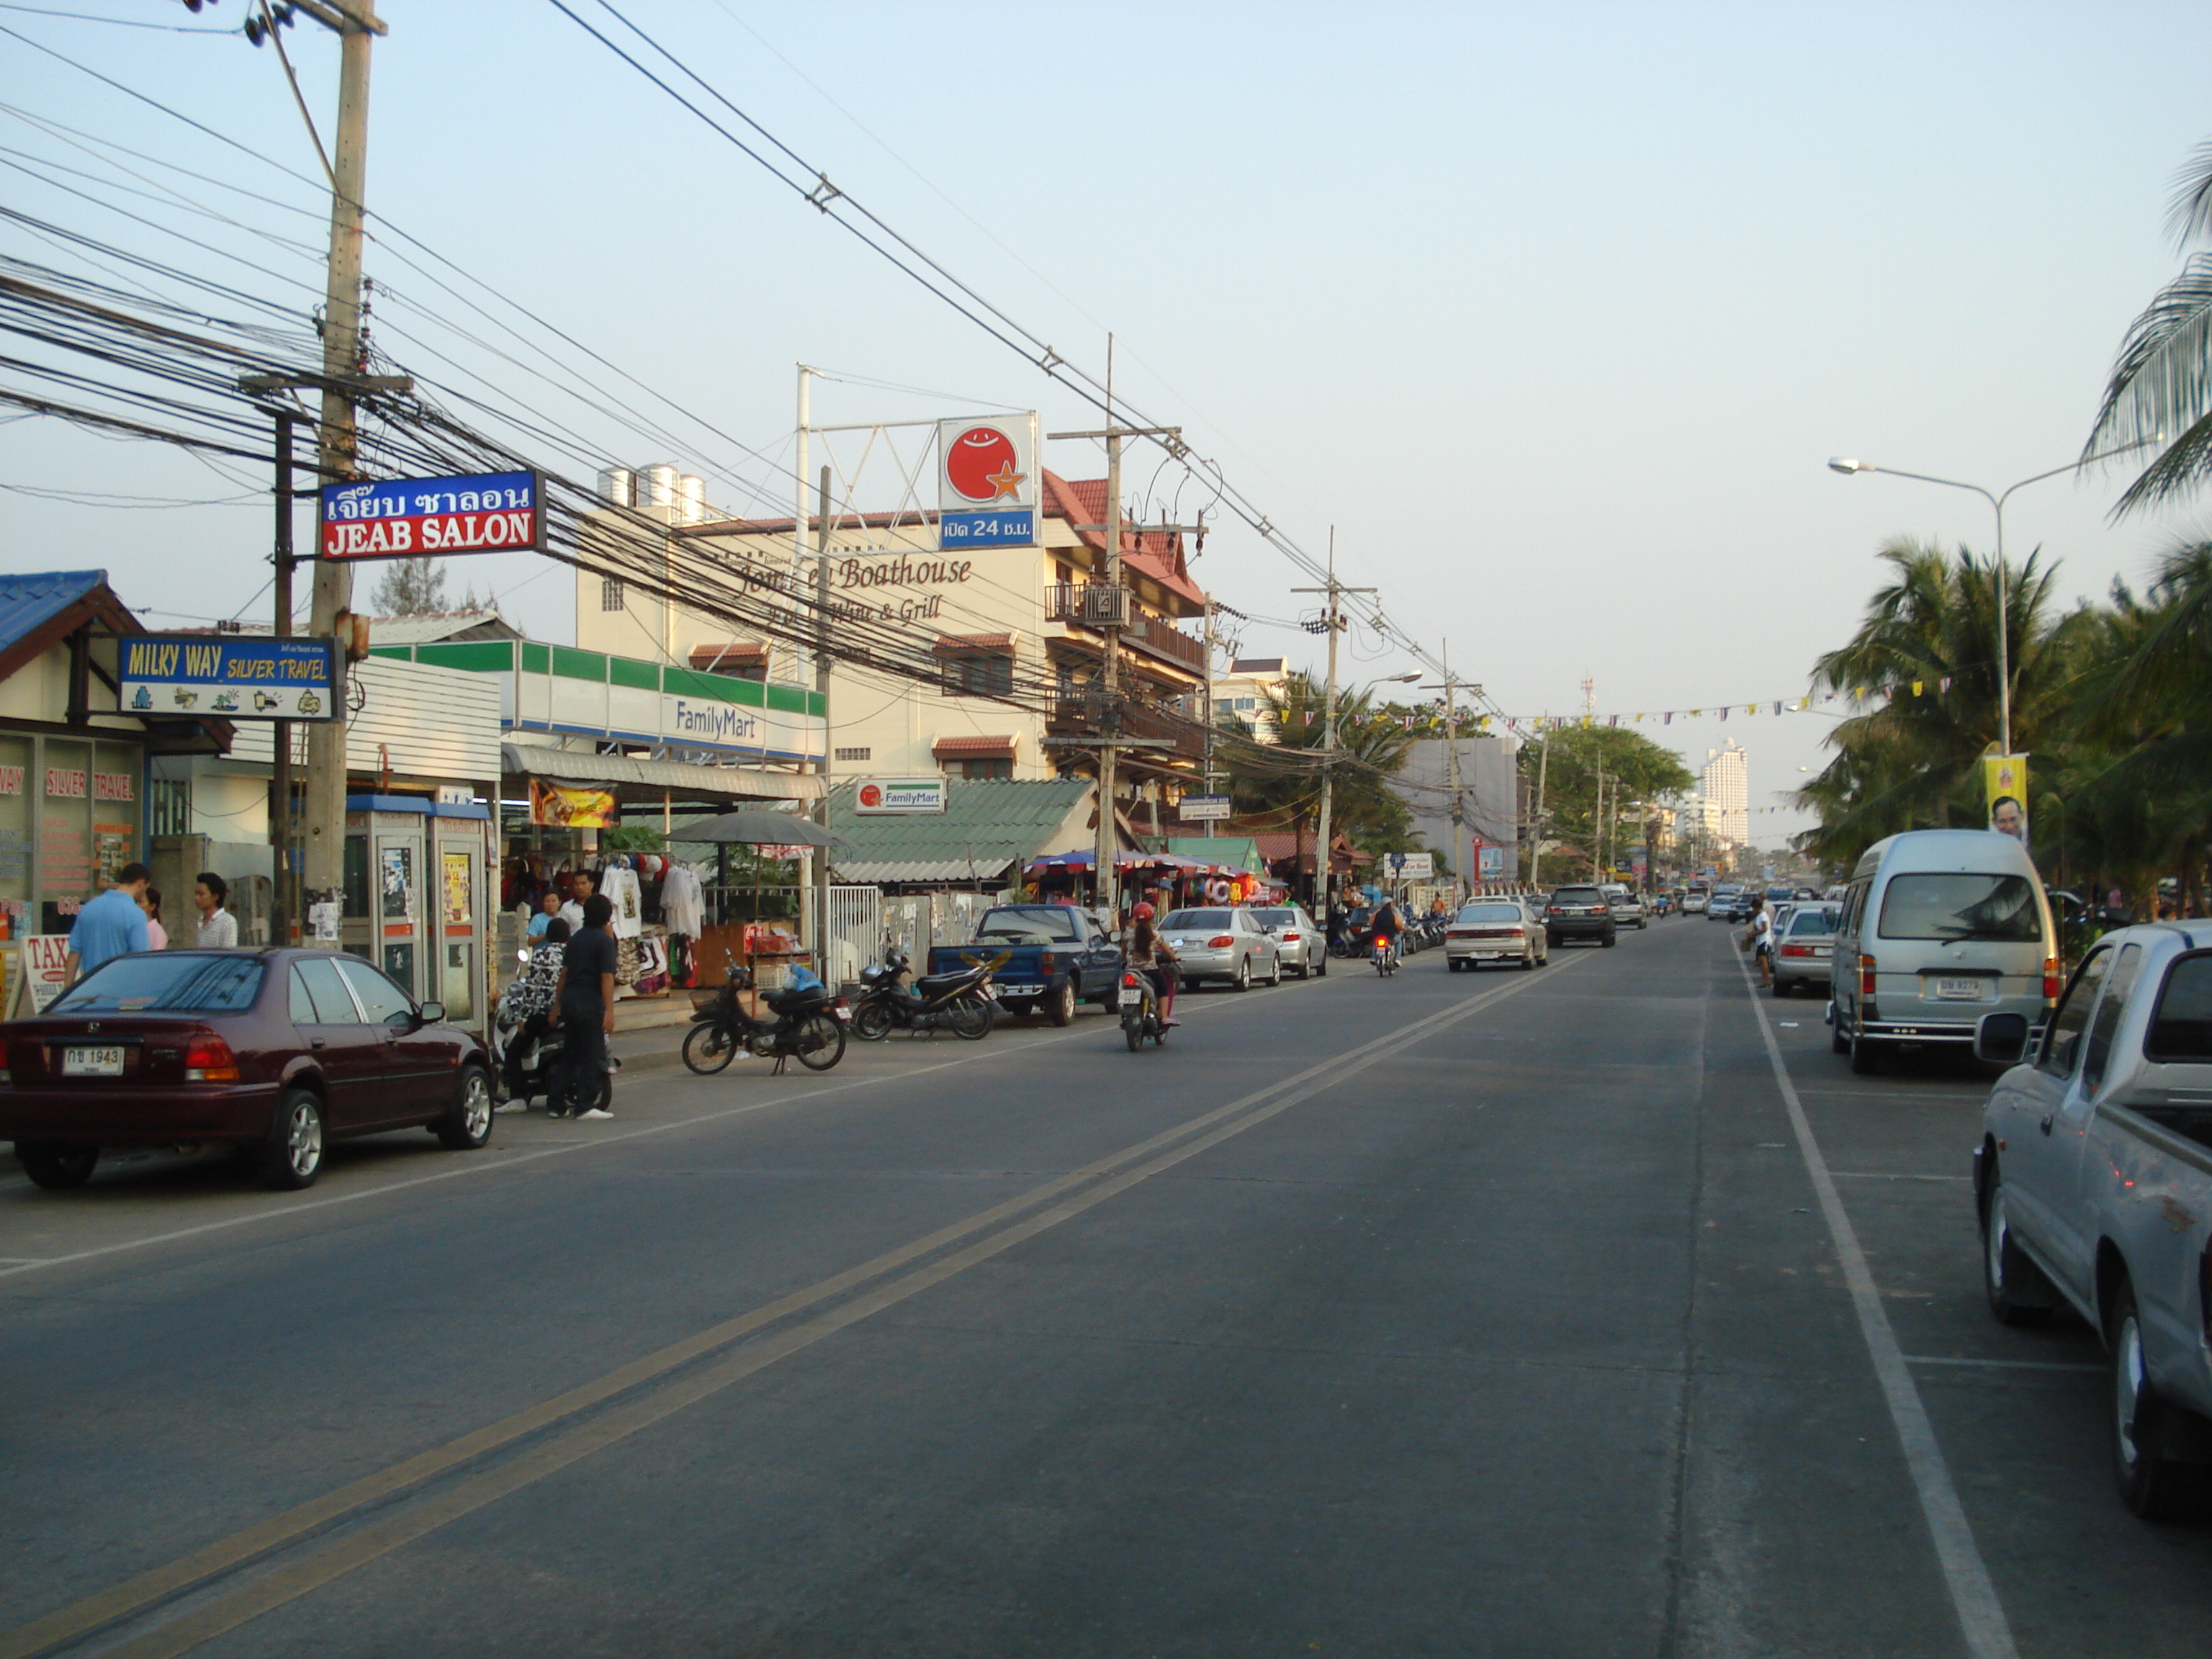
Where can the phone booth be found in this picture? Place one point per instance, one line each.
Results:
(416, 903)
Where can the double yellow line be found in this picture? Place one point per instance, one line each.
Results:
(1016, 1221)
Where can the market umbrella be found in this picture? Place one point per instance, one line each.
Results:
(756, 826)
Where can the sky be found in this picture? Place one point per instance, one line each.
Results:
(1554, 313)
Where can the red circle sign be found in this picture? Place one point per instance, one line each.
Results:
(872, 794)
(981, 464)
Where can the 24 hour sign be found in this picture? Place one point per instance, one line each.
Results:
(405, 518)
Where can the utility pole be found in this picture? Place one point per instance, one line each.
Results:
(280, 732)
(1209, 706)
(1324, 870)
(1536, 828)
(1448, 686)
(798, 513)
(326, 795)
(1109, 626)
(821, 963)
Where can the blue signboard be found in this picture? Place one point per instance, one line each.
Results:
(411, 517)
(1008, 528)
(235, 676)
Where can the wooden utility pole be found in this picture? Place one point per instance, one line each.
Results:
(1324, 874)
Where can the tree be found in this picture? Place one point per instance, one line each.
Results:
(417, 587)
(2161, 386)
(1636, 770)
(1283, 779)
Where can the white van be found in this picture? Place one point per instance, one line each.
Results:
(1939, 927)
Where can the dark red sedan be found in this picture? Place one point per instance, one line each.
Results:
(278, 1052)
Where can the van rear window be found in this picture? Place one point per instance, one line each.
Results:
(1998, 910)
(2181, 1028)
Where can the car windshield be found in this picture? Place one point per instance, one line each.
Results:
(1808, 924)
(1195, 918)
(1491, 913)
(1276, 918)
(1056, 922)
(1999, 909)
(165, 983)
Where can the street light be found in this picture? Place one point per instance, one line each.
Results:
(1846, 465)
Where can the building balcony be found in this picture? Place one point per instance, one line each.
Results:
(1096, 605)
(1079, 712)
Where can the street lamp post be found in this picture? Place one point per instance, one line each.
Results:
(1841, 463)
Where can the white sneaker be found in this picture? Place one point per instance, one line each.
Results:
(510, 1106)
(595, 1114)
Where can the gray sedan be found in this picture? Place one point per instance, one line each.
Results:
(1222, 943)
(1500, 930)
(1301, 945)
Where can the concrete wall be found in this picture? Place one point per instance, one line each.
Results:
(1488, 794)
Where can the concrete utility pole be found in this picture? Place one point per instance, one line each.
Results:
(1209, 707)
(324, 814)
(1536, 826)
(1448, 686)
(1324, 872)
(280, 732)
(822, 963)
(798, 513)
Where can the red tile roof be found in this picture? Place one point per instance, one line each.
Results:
(737, 653)
(949, 645)
(1160, 557)
(945, 747)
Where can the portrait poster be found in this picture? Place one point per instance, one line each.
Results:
(2004, 785)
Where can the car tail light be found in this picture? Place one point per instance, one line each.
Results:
(208, 1059)
(1289, 939)
(1796, 949)
(1220, 942)
(1459, 933)
(1866, 976)
(2051, 979)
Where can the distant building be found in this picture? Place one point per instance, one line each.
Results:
(1489, 791)
(1247, 691)
(1724, 795)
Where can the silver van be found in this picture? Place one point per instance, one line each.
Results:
(1939, 927)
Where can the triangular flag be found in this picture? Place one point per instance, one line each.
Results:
(1943, 685)
(1916, 686)
(1804, 702)
(1777, 706)
(1613, 720)
(1724, 714)
(1666, 719)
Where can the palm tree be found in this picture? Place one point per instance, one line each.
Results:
(1284, 778)
(2161, 386)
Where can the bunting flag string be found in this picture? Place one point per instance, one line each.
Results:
(1432, 720)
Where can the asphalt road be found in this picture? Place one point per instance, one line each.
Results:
(1524, 1314)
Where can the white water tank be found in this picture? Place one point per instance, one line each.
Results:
(618, 486)
(692, 491)
(657, 485)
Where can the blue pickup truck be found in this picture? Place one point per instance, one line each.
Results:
(1056, 957)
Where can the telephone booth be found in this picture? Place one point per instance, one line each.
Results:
(416, 897)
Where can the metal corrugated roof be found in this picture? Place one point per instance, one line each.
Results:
(913, 871)
(29, 602)
(573, 766)
(990, 822)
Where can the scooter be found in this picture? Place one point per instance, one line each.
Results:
(959, 1003)
(809, 1025)
(525, 1051)
(1384, 954)
(1140, 1011)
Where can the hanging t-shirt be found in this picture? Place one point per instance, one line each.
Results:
(684, 900)
(622, 890)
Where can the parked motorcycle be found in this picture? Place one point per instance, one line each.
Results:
(959, 1003)
(1140, 1011)
(809, 1026)
(525, 1051)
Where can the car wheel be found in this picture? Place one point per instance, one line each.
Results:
(1322, 971)
(707, 1048)
(1528, 960)
(1305, 971)
(2007, 1276)
(1276, 978)
(1612, 939)
(1243, 980)
(56, 1168)
(1864, 1058)
(1063, 1002)
(1453, 964)
(468, 1126)
(1550, 941)
(293, 1156)
(2153, 1486)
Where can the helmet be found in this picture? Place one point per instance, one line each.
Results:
(1142, 913)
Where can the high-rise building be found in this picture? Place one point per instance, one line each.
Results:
(1725, 788)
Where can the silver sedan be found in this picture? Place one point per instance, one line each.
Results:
(1500, 930)
(1300, 943)
(1222, 943)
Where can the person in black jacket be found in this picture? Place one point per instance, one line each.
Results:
(585, 998)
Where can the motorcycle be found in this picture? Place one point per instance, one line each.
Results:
(1140, 1011)
(959, 1003)
(525, 1051)
(809, 1026)
(1385, 955)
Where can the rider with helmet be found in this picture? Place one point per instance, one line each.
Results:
(1154, 957)
(1386, 926)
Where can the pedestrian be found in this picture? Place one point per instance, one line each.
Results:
(581, 886)
(218, 928)
(157, 936)
(585, 996)
(548, 908)
(1761, 935)
(111, 925)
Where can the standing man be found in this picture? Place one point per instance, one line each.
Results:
(584, 995)
(582, 885)
(218, 928)
(113, 925)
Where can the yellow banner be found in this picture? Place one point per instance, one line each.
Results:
(570, 806)
(2004, 785)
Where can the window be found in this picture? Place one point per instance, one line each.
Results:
(610, 593)
(1000, 767)
(2097, 1053)
(2001, 909)
(2181, 1028)
(173, 806)
(2063, 1045)
(1811, 924)
(316, 983)
(855, 754)
(979, 674)
(165, 983)
(1196, 920)
(385, 1003)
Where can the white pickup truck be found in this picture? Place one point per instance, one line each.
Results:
(2094, 1180)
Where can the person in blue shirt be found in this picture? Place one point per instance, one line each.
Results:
(112, 924)
(548, 908)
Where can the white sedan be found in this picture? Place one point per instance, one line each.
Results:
(1222, 944)
(1489, 930)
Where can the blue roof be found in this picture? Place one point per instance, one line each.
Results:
(28, 602)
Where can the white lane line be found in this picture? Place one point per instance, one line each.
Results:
(1973, 1597)
(1876, 1175)
(2005, 1365)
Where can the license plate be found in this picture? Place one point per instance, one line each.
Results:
(842, 1012)
(1132, 998)
(1959, 990)
(104, 1062)
(991, 992)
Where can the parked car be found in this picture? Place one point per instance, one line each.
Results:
(1298, 940)
(2094, 1178)
(276, 1052)
(1804, 947)
(1500, 930)
(1051, 958)
(1694, 901)
(1940, 926)
(1728, 904)
(1628, 908)
(1579, 913)
(1222, 944)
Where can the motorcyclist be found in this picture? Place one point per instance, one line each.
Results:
(1386, 926)
(528, 1003)
(1154, 957)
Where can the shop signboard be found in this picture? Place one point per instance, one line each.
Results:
(417, 518)
(43, 967)
(888, 797)
(1414, 866)
(1491, 862)
(1203, 809)
(987, 483)
(234, 676)
(573, 806)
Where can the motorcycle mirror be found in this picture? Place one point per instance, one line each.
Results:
(522, 955)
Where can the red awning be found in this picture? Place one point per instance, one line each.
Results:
(961, 645)
(972, 748)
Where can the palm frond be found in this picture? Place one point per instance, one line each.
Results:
(2161, 386)
(2190, 216)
